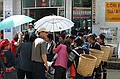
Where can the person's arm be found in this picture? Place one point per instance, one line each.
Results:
(56, 50)
(43, 54)
(44, 57)
(54, 46)
(16, 43)
(18, 49)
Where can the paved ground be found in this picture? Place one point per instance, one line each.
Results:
(113, 74)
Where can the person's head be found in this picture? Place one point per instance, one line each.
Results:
(67, 43)
(30, 25)
(4, 45)
(26, 37)
(57, 33)
(50, 37)
(61, 38)
(64, 32)
(32, 37)
(100, 38)
(71, 39)
(15, 37)
(26, 32)
(91, 38)
(42, 32)
(78, 41)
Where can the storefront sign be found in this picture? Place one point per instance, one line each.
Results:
(81, 13)
(112, 11)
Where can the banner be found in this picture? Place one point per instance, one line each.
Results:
(112, 12)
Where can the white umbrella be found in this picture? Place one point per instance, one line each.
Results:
(54, 23)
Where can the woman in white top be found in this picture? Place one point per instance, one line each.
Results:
(31, 29)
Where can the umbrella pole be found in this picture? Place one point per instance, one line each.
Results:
(53, 36)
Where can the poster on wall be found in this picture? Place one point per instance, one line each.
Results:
(112, 12)
(7, 14)
(110, 34)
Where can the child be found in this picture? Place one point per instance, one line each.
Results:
(8, 60)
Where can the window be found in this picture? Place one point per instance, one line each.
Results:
(42, 3)
(82, 3)
(86, 3)
(28, 3)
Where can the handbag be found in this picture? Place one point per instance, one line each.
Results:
(72, 71)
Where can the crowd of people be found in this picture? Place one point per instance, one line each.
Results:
(28, 55)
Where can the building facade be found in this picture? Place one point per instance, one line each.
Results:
(79, 11)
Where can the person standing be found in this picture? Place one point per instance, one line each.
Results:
(39, 57)
(31, 30)
(24, 51)
(50, 46)
(95, 45)
(7, 60)
(61, 61)
(14, 44)
(100, 40)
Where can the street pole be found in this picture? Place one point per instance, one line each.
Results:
(69, 11)
(91, 14)
(65, 9)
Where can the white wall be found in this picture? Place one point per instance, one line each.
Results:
(16, 11)
(1, 0)
(16, 7)
(13, 7)
(100, 16)
(7, 7)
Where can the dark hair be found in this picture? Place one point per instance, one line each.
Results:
(62, 36)
(15, 37)
(102, 36)
(32, 37)
(79, 41)
(91, 36)
(50, 36)
(67, 43)
(26, 38)
(72, 37)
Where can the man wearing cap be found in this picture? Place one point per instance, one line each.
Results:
(39, 58)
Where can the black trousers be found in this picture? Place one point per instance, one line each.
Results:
(104, 67)
(60, 72)
(38, 70)
(21, 74)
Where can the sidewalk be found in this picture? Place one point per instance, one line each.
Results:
(113, 74)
